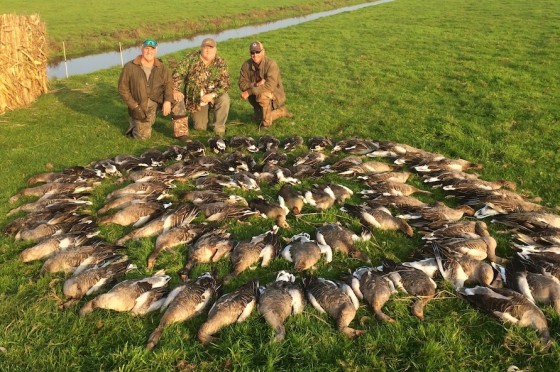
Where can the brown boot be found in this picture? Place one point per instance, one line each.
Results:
(180, 126)
(281, 112)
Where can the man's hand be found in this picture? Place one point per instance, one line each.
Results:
(207, 98)
(166, 108)
(245, 94)
(138, 114)
(178, 96)
(260, 83)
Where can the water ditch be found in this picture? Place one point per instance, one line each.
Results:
(92, 63)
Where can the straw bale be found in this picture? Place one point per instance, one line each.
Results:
(23, 57)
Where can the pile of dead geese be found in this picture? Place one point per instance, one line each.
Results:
(458, 246)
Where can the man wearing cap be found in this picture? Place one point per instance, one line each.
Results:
(202, 80)
(261, 84)
(146, 85)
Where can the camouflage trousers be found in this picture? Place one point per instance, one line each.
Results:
(265, 106)
(142, 129)
(220, 105)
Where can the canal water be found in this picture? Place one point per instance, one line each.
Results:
(92, 63)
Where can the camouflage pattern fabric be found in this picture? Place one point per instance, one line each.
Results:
(195, 79)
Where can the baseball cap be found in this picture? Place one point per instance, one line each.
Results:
(208, 42)
(150, 43)
(256, 46)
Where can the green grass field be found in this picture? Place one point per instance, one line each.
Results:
(88, 27)
(470, 79)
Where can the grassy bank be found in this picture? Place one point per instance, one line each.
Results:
(470, 79)
(90, 27)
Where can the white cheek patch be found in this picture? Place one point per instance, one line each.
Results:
(298, 302)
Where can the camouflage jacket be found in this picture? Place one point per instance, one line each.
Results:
(195, 79)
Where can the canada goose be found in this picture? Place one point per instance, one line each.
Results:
(378, 218)
(217, 145)
(243, 143)
(412, 281)
(238, 161)
(336, 299)
(246, 180)
(508, 306)
(246, 253)
(270, 210)
(304, 252)
(314, 159)
(340, 239)
(291, 143)
(319, 143)
(96, 278)
(280, 299)
(357, 146)
(185, 302)
(268, 143)
(290, 198)
(233, 307)
(134, 295)
(375, 288)
(274, 174)
(209, 247)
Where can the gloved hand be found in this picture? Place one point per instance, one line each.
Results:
(137, 113)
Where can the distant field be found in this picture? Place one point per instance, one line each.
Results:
(93, 26)
(470, 79)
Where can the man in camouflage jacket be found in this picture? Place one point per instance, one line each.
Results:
(261, 84)
(202, 78)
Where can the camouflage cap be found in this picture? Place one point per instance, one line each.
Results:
(208, 42)
(256, 46)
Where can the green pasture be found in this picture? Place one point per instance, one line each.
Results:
(93, 26)
(469, 79)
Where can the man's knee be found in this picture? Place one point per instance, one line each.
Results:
(264, 99)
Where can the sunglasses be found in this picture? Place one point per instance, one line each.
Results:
(256, 52)
(150, 43)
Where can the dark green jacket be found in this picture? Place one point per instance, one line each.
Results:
(135, 89)
(269, 71)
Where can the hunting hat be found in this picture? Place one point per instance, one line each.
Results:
(256, 46)
(149, 43)
(208, 42)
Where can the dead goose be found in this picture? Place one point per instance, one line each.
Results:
(77, 171)
(478, 248)
(175, 237)
(268, 143)
(546, 263)
(243, 143)
(304, 252)
(217, 145)
(59, 224)
(336, 299)
(321, 197)
(246, 253)
(135, 214)
(357, 146)
(533, 221)
(375, 288)
(77, 259)
(94, 279)
(314, 159)
(138, 296)
(210, 247)
(221, 210)
(233, 307)
(367, 168)
(52, 245)
(508, 306)
(378, 218)
(446, 164)
(54, 202)
(291, 143)
(270, 210)
(341, 192)
(412, 281)
(544, 238)
(280, 299)
(388, 188)
(342, 164)
(340, 239)
(181, 215)
(459, 229)
(185, 302)
(319, 143)
(437, 215)
(290, 198)
(54, 188)
(400, 202)
(376, 178)
(459, 269)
